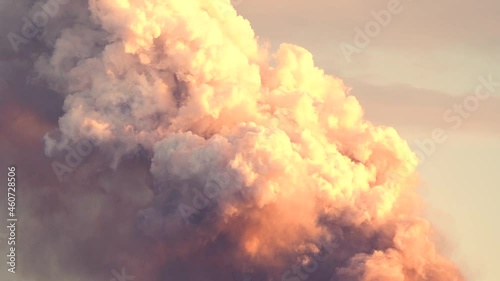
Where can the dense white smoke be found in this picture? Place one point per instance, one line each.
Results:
(261, 163)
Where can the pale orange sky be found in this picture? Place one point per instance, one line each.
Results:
(427, 59)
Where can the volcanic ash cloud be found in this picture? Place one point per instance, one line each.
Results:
(258, 160)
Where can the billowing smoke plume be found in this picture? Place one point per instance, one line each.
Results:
(213, 159)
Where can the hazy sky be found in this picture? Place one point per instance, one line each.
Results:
(427, 68)
(425, 60)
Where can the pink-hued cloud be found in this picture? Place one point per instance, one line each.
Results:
(216, 156)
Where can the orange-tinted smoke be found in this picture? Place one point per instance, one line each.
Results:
(187, 84)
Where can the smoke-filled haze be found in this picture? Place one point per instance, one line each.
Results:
(166, 139)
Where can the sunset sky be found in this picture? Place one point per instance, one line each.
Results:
(187, 140)
(427, 59)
